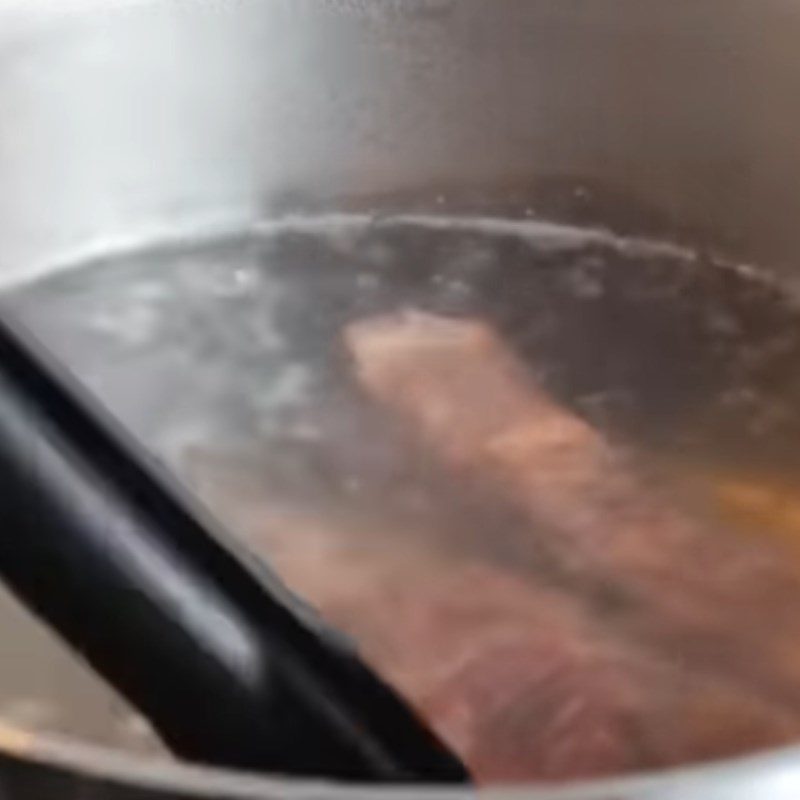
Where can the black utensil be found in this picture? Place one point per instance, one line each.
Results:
(229, 667)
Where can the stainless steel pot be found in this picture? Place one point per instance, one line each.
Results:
(128, 122)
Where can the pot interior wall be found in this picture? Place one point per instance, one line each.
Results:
(675, 121)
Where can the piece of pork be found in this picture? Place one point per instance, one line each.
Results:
(514, 675)
(704, 594)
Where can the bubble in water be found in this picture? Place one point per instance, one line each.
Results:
(132, 324)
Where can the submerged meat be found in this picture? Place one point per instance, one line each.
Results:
(516, 676)
(706, 594)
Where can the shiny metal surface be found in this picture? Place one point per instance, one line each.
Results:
(128, 121)
(123, 122)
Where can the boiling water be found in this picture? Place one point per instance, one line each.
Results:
(229, 353)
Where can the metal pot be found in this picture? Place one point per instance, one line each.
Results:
(152, 119)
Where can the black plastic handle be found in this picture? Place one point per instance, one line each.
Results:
(229, 667)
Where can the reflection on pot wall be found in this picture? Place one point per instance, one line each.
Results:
(689, 106)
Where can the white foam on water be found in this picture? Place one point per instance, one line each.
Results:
(344, 230)
(543, 235)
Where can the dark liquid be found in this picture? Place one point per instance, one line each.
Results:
(227, 359)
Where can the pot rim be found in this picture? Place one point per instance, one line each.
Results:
(770, 775)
